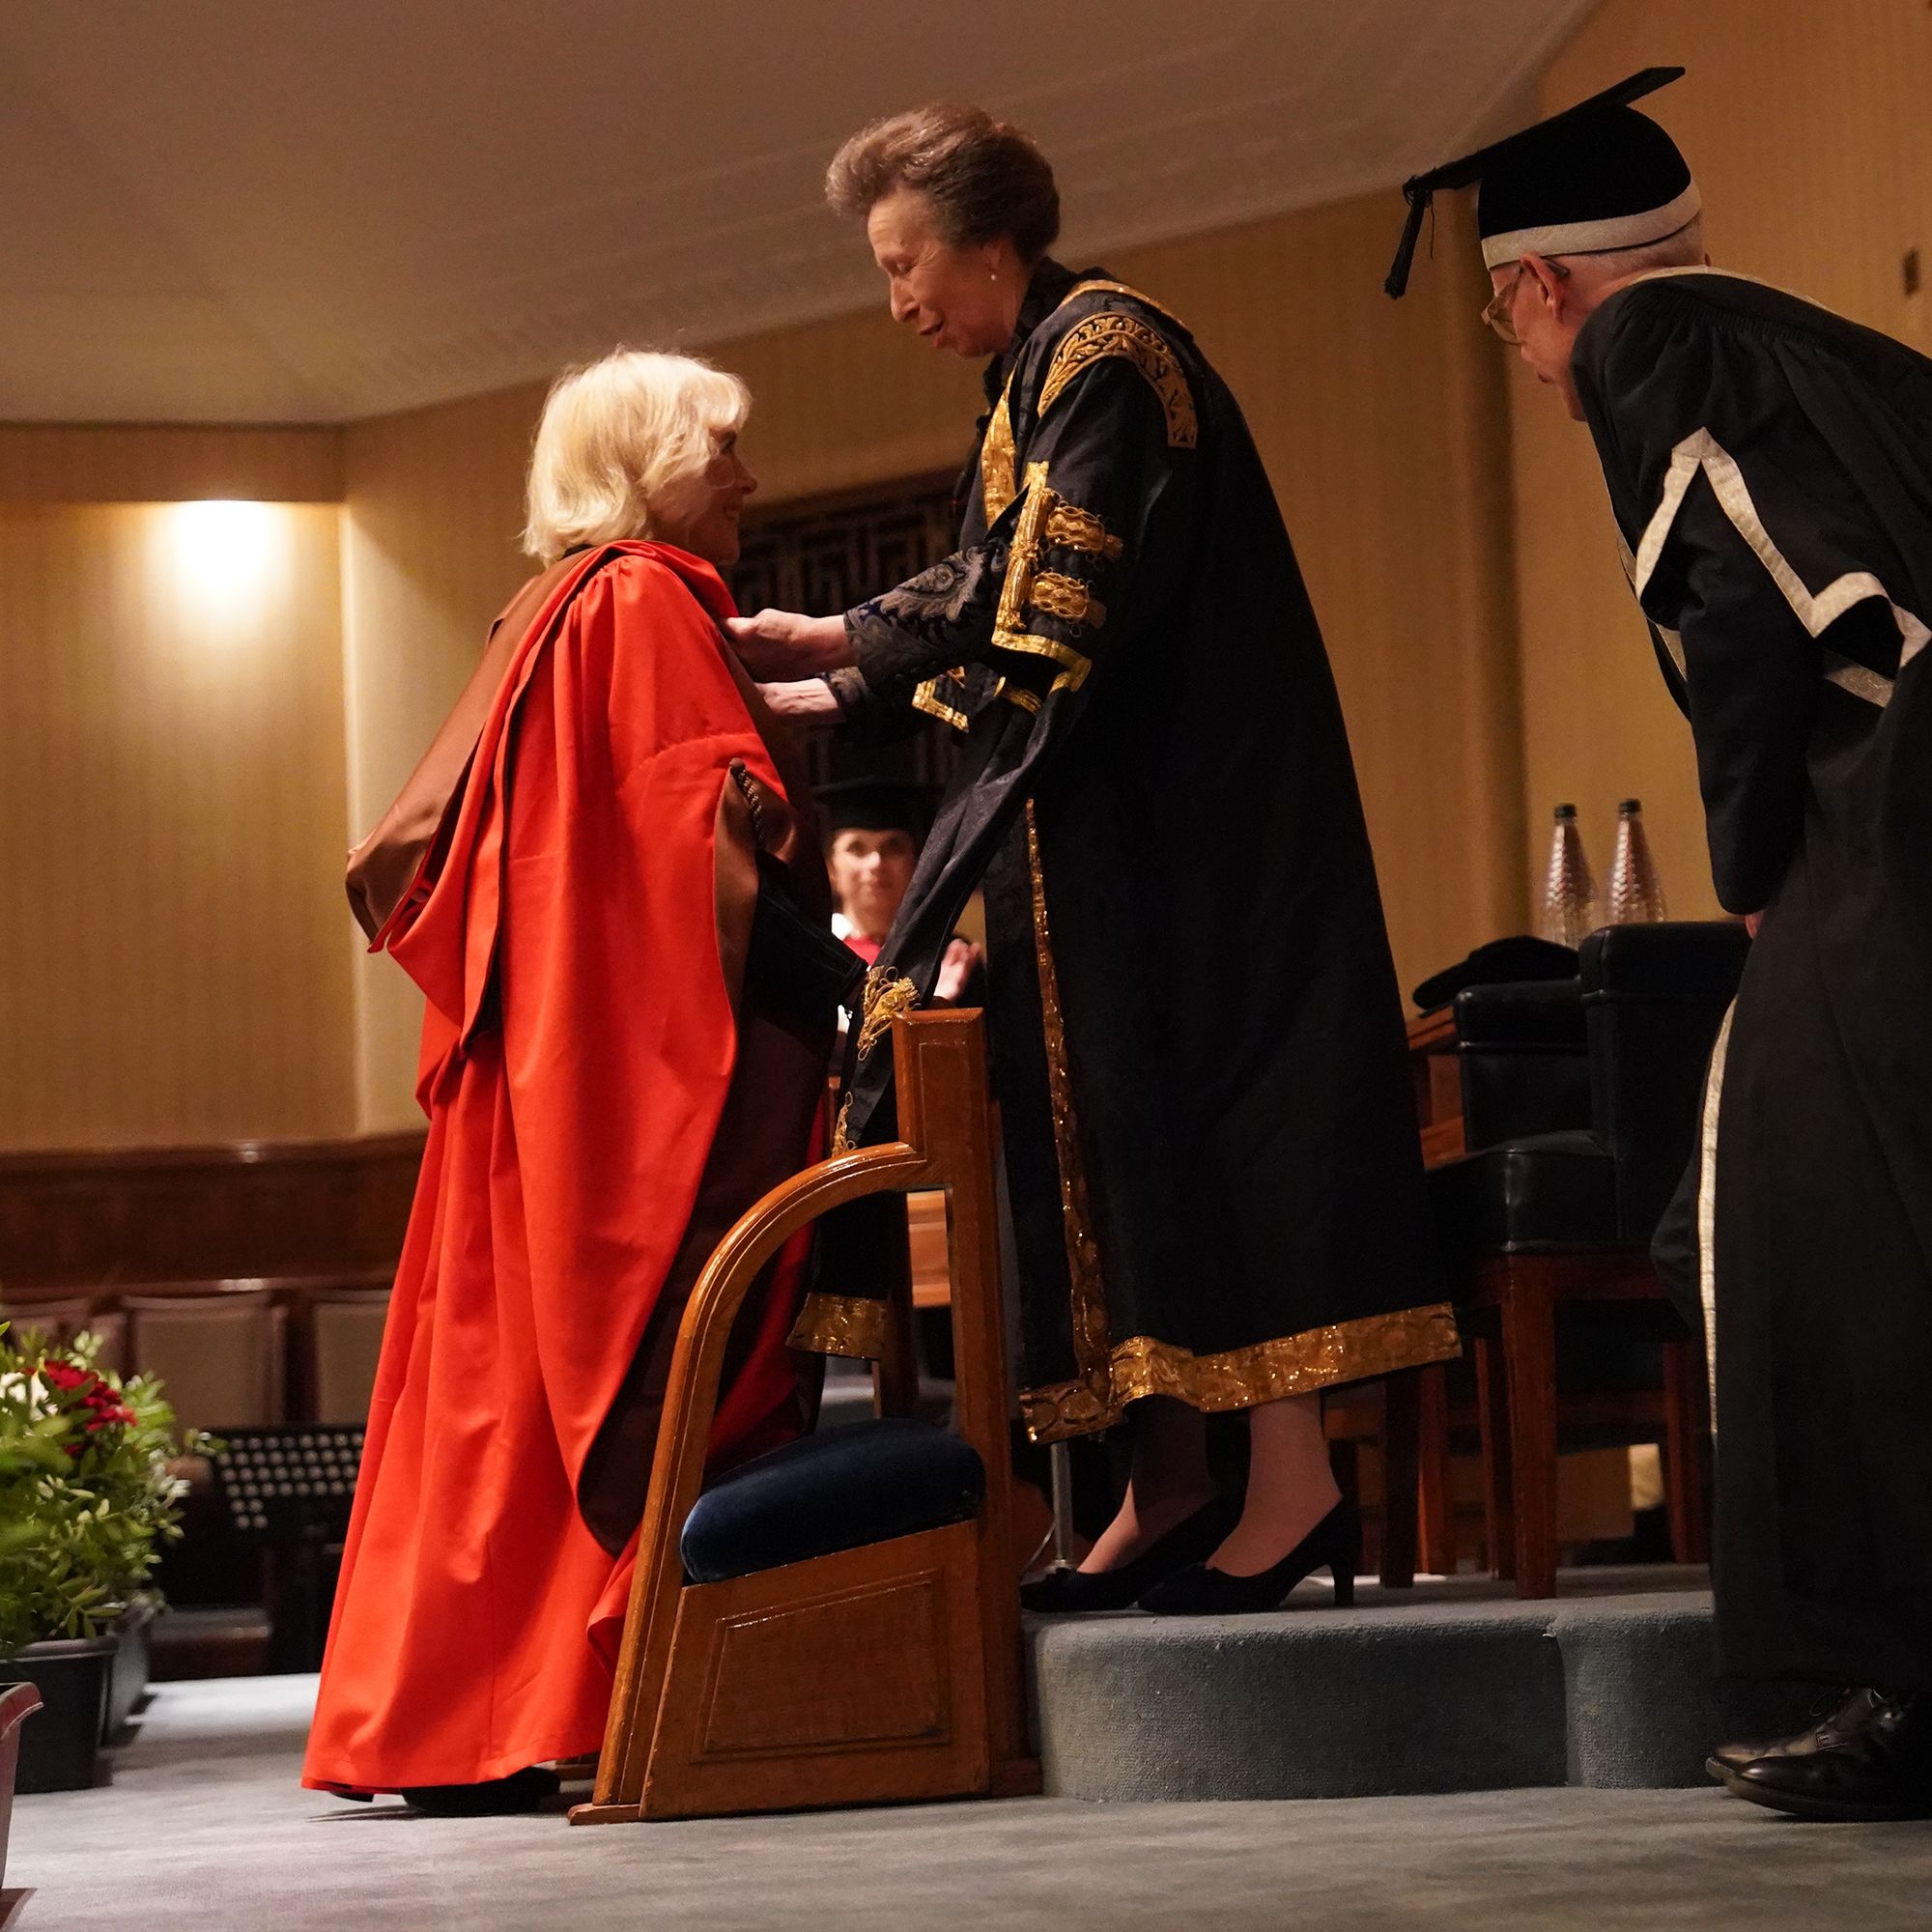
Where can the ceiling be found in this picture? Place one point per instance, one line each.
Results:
(252, 210)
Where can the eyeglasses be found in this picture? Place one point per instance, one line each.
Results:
(1498, 311)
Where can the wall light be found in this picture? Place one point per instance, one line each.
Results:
(225, 547)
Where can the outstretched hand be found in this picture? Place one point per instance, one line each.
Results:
(776, 647)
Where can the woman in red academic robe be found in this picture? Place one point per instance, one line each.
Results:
(613, 1071)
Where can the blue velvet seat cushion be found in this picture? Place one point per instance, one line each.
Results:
(838, 1490)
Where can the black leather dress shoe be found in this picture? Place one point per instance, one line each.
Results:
(1728, 1759)
(1870, 1759)
(1334, 1545)
(494, 1798)
(1068, 1592)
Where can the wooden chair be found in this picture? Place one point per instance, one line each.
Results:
(1508, 1304)
(890, 1671)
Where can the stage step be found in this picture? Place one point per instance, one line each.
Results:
(1455, 1685)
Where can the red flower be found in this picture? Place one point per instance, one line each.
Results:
(66, 1375)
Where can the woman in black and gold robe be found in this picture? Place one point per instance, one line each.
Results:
(1209, 1143)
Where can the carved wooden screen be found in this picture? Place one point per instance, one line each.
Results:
(827, 556)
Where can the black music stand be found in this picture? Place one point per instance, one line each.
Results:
(288, 1489)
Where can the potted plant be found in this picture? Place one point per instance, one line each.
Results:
(88, 1494)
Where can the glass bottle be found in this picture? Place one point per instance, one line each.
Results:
(1568, 891)
(1637, 897)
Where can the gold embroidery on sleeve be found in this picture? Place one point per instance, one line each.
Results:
(841, 1324)
(1112, 334)
(1070, 527)
(1077, 666)
(926, 698)
(1023, 556)
(1020, 592)
(1068, 599)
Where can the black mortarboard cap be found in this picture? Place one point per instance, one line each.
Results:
(873, 805)
(1497, 963)
(1597, 176)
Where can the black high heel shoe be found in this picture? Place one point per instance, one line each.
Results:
(1066, 1592)
(1335, 1544)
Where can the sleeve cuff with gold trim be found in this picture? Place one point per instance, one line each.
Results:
(841, 1324)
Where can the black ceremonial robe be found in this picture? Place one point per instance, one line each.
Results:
(1770, 469)
(1209, 1138)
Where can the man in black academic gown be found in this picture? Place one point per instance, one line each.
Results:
(1770, 468)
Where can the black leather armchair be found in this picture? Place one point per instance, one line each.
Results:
(1579, 1096)
(1580, 1102)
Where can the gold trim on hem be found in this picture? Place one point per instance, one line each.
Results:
(1343, 1352)
(1087, 1290)
(841, 1324)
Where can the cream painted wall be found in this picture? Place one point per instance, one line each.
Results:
(171, 790)
(1807, 128)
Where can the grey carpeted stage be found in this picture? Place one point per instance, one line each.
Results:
(1452, 1686)
(206, 1828)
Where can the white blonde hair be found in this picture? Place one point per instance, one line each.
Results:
(621, 448)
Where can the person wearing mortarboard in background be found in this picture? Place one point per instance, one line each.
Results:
(1769, 466)
(873, 830)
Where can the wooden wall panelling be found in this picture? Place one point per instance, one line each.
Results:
(99, 1221)
(88, 463)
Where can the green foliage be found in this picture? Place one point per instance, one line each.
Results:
(88, 1488)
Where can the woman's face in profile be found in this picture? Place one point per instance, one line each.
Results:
(713, 530)
(950, 297)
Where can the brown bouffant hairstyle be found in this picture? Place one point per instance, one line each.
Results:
(985, 177)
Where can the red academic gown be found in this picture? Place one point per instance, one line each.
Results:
(579, 930)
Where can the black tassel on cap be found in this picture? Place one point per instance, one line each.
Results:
(1469, 169)
(1418, 198)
